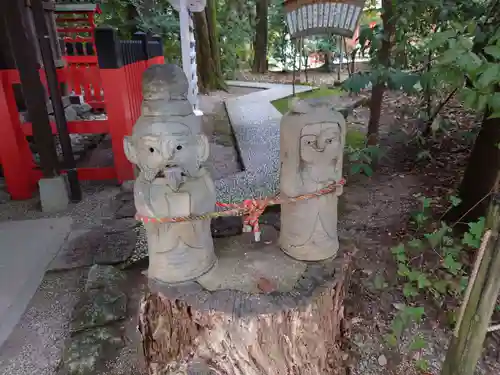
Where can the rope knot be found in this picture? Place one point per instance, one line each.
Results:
(253, 209)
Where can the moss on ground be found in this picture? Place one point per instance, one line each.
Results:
(283, 104)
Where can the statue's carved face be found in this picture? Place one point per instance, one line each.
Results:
(321, 144)
(167, 153)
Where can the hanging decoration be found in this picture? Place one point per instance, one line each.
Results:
(315, 17)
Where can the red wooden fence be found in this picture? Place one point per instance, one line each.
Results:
(114, 85)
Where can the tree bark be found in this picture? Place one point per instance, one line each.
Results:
(384, 61)
(207, 50)
(189, 329)
(260, 42)
(481, 173)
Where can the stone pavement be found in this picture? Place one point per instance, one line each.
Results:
(27, 247)
(256, 127)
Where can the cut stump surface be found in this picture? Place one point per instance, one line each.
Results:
(187, 329)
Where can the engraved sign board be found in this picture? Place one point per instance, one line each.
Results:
(315, 17)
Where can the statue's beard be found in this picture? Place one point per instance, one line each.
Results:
(172, 176)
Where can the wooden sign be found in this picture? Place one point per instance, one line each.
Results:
(315, 17)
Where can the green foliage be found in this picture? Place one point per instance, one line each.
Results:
(362, 159)
(430, 264)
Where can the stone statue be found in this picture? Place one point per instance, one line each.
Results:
(169, 149)
(311, 149)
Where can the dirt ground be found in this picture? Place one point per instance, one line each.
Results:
(377, 216)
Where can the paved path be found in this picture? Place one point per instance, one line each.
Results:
(256, 126)
(26, 248)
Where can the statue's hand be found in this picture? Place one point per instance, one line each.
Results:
(339, 190)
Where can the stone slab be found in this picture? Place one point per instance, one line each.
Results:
(53, 194)
(244, 265)
(86, 247)
(26, 248)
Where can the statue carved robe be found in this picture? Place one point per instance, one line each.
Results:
(168, 148)
(311, 142)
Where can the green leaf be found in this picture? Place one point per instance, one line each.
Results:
(436, 237)
(397, 326)
(409, 290)
(440, 285)
(399, 249)
(426, 202)
(489, 77)
(391, 340)
(355, 168)
(367, 170)
(469, 97)
(495, 115)
(414, 275)
(471, 240)
(357, 82)
(422, 364)
(418, 343)
(455, 201)
(423, 281)
(451, 264)
(493, 51)
(415, 313)
(494, 101)
(477, 228)
(440, 38)
(482, 101)
(403, 270)
(415, 243)
(450, 56)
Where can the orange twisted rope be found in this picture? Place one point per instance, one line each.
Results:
(251, 209)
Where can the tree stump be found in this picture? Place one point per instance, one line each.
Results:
(280, 324)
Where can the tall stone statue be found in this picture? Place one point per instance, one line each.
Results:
(311, 150)
(168, 147)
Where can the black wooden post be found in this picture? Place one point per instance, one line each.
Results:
(144, 38)
(55, 95)
(34, 92)
(158, 39)
(108, 48)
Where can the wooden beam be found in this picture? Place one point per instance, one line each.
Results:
(46, 49)
(34, 92)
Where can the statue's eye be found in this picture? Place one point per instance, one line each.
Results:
(151, 149)
(329, 140)
(179, 147)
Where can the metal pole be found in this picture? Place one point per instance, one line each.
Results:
(340, 58)
(37, 8)
(294, 61)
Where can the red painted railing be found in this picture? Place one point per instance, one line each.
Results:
(117, 89)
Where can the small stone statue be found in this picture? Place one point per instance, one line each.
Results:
(311, 149)
(169, 149)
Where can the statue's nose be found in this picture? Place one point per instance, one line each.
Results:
(167, 151)
(320, 144)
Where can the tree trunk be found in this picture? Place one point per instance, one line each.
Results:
(260, 41)
(132, 18)
(384, 61)
(481, 173)
(207, 50)
(223, 331)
